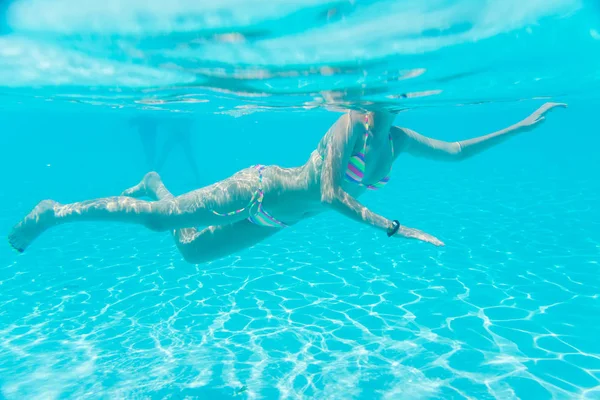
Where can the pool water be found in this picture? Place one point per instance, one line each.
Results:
(327, 309)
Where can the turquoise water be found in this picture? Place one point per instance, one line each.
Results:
(508, 309)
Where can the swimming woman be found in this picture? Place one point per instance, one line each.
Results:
(355, 155)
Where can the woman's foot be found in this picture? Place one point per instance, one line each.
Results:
(146, 188)
(34, 224)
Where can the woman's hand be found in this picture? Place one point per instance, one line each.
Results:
(411, 233)
(539, 115)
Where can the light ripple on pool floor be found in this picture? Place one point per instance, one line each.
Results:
(507, 310)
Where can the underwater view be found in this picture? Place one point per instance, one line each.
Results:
(309, 199)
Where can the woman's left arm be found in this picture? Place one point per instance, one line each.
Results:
(421, 146)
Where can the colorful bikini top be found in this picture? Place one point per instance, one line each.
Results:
(355, 171)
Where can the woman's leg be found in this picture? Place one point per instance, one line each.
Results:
(219, 241)
(190, 209)
(197, 246)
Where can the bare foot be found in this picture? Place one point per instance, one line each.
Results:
(144, 188)
(33, 225)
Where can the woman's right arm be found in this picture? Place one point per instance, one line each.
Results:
(346, 131)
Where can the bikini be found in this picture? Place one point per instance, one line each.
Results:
(258, 215)
(355, 173)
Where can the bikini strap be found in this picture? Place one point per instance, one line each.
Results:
(257, 197)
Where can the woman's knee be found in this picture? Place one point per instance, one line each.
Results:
(155, 223)
(191, 254)
(162, 216)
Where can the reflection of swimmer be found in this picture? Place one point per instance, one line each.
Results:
(178, 132)
(356, 154)
(148, 130)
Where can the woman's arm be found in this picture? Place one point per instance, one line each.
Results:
(421, 146)
(346, 131)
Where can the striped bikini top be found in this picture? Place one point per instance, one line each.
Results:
(355, 171)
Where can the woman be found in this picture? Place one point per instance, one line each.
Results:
(355, 155)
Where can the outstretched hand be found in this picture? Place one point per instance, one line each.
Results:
(412, 233)
(539, 115)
